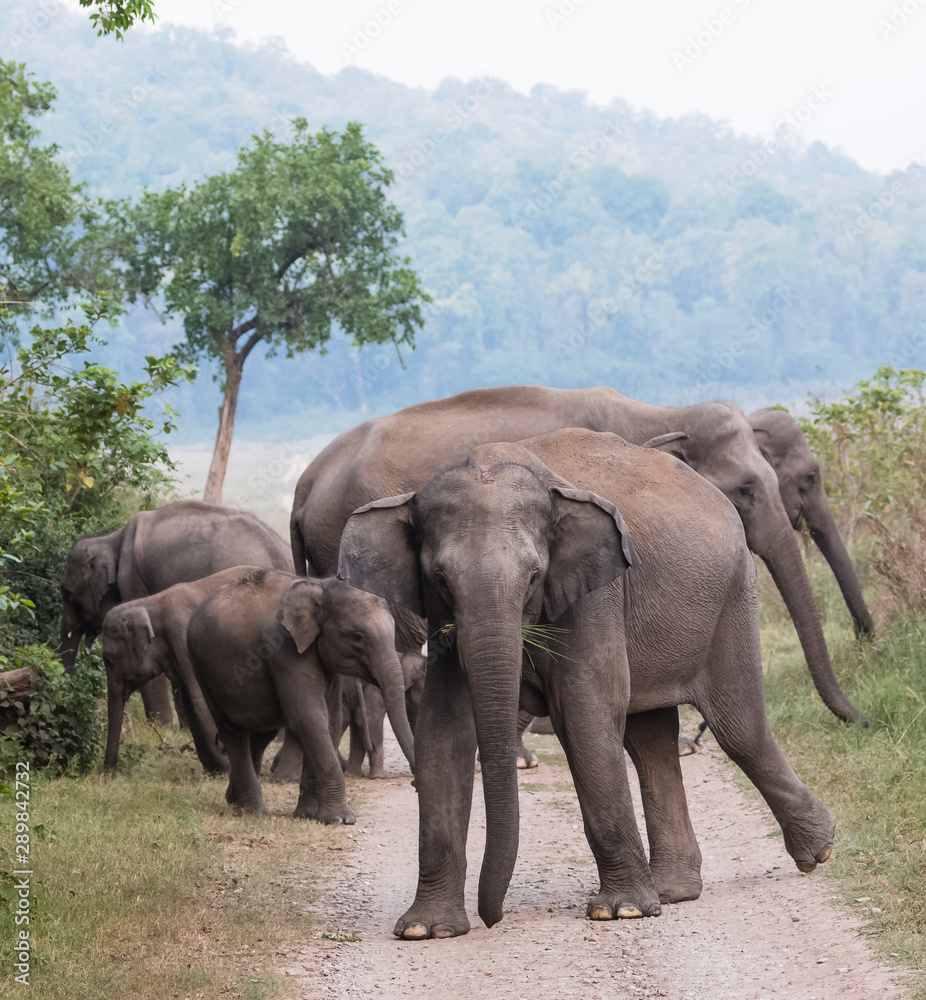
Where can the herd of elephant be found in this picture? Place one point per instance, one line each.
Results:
(619, 532)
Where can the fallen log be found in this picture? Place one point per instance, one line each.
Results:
(15, 687)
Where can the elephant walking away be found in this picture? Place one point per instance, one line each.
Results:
(264, 649)
(800, 482)
(642, 567)
(155, 549)
(399, 453)
(145, 638)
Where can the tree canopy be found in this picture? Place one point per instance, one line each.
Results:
(298, 240)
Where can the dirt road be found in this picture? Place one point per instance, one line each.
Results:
(760, 929)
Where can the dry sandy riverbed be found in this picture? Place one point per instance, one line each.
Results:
(759, 930)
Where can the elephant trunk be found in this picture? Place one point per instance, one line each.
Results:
(115, 707)
(825, 533)
(783, 558)
(392, 683)
(490, 649)
(71, 634)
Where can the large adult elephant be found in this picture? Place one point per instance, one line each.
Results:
(398, 453)
(800, 482)
(649, 618)
(155, 549)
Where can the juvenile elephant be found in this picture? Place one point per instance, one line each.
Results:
(145, 638)
(264, 649)
(363, 712)
(800, 482)
(155, 549)
(531, 533)
(400, 452)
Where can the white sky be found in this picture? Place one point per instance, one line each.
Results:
(763, 61)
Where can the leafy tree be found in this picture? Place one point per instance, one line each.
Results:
(116, 16)
(297, 239)
(75, 446)
(51, 243)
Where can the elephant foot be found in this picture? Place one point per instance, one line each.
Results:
(687, 746)
(527, 759)
(624, 905)
(421, 922)
(353, 771)
(810, 842)
(676, 887)
(376, 773)
(330, 815)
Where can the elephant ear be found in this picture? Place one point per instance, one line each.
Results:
(302, 610)
(380, 552)
(140, 621)
(591, 546)
(668, 443)
(101, 573)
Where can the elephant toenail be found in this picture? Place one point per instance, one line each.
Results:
(806, 866)
(824, 855)
(445, 932)
(601, 912)
(629, 912)
(415, 932)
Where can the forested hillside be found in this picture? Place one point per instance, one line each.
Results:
(561, 242)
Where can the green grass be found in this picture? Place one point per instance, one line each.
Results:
(873, 780)
(148, 886)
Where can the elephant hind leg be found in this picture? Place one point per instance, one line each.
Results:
(651, 739)
(734, 707)
(244, 789)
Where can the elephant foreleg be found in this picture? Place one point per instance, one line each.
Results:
(651, 739)
(156, 697)
(445, 747)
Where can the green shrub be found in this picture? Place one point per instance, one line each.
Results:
(61, 724)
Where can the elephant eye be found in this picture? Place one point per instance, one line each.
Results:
(745, 491)
(535, 576)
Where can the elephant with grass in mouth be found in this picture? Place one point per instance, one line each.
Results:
(643, 567)
(399, 453)
(264, 650)
(155, 549)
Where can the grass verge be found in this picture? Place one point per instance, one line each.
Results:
(148, 886)
(873, 780)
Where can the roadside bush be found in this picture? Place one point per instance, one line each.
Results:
(61, 725)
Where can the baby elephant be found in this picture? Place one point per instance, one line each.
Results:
(145, 638)
(264, 650)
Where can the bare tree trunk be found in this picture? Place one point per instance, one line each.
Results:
(223, 440)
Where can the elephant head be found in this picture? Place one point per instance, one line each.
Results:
(356, 635)
(800, 483)
(718, 443)
(486, 547)
(88, 592)
(127, 647)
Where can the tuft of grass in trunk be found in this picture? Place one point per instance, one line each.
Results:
(872, 780)
(149, 886)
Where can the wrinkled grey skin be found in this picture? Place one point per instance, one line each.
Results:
(264, 649)
(363, 711)
(398, 453)
(155, 549)
(502, 540)
(800, 482)
(145, 638)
